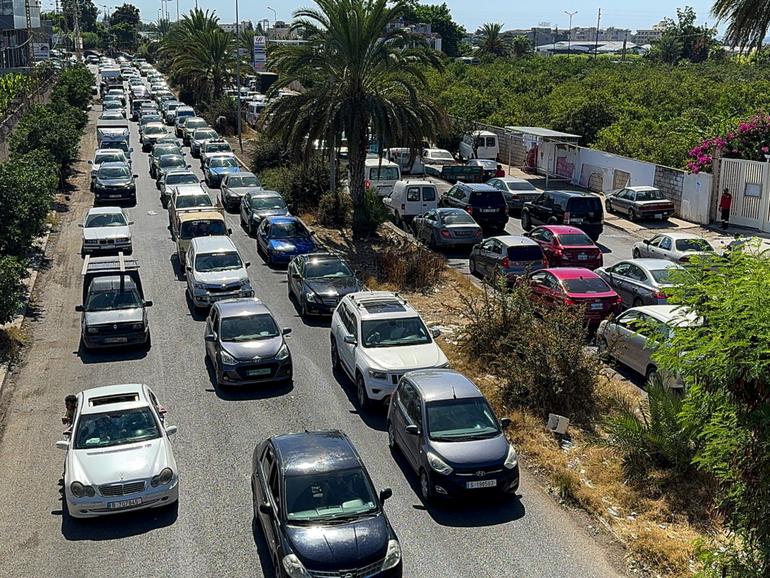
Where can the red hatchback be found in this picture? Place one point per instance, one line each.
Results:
(565, 246)
(576, 286)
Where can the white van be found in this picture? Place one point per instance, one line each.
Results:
(253, 111)
(488, 147)
(410, 199)
(381, 174)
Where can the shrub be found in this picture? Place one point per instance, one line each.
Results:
(335, 209)
(374, 212)
(268, 154)
(48, 129)
(222, 114)
(551, 372)
(410, 266)
(302, 185)
(74, 87)
(12, 272)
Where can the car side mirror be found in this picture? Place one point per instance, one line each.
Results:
(412, 430)
(130, 222)
(646, 241)
(148, 303)
(229, 231)
(90, 162)
(62, 445)
(203, 181)
(189, 166)
(210, 337)
(266, 509)
(79, 308)
(80, 225)
(171, 430)
(505, 422)
(385, 494)
(286, 330)
(188, 269)
(435, 331)
(350, 340)
(135, 176)
(247, 264)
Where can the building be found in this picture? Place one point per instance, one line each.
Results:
(649, 36)
(420, 29)
(245, 25)
(607, 35)
(589, 47)
(14, 50)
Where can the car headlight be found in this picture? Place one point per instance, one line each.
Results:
(374, 374)
(438, 465)
(283, 352)
(79, 490)
(93, 330)
(293, 567)
(164, 477)
(138, 326)
(310, 296)
(199, 286)
(511, 460)
(227, 358)
(392, 556)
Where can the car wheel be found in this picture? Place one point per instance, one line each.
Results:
(335, 355)
(426, 491)
(608, 206)
(526, 222)
(364, 403)
(302, 308)
(631, 215)
(553, 221)
(472, 266)
(392, 443)
(636, 254)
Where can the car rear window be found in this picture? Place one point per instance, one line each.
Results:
(574, 240)
(586, 285)
(584, 205)
(525, 253)
(493, 198)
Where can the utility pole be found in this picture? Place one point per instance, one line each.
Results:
(598, 23)
(30, 47)
(625, 42)
(177, 10)
(238, 71)
(76, 30)
(569, 36)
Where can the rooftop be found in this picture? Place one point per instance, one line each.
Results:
(439, 384)
(541, 132)
(311, 452)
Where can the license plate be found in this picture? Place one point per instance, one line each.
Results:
(260, 371)
(576, 221)
(481, 484)
(597, 306)
(116, 339)
(124, 504)
(114, 196)
(658, 215)
(582, 257)
(488, 210)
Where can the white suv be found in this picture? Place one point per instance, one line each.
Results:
(376, 337)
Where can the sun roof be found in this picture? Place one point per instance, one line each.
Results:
(118, 398)
(384, 307)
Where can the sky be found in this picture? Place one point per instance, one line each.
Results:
(631, 14)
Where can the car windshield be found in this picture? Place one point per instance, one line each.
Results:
(395, 332)
(209, 262)
(267, 203)
(440, 156)
(586, 285)
(181, 179)
(113, 172)
(693, 245)
(520, 186)
(223, 162)
(248, 328)
(202, 228)
(243, 181)
(150, 129)
(383, 173)
(165, 149)
(326, 269)
(112, 105)
(106, 220)
(204, 134)
(574, 240)
(171, 161)
(458, 218)
(217, 147)
(662, 276)
(111, 299)
(189, 201)
(115, 428)
(654, 195)
(488, 198)
(288, 230)
(109, 158)
(329, 495)
(197, 123)
(148, 118)
(461, 420)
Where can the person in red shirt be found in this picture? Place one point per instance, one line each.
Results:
(725, 202)
(500, 172)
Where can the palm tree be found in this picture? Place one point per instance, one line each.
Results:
(748, 21)
(357, 78)
(491, 41)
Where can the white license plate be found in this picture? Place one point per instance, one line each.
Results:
(114, 196)
(124, 504)
(576, 221)
(481, 484)
(489, 210)
(260, 371)
(658, 215)
(116, 339)
(597, 306)
(582, 257)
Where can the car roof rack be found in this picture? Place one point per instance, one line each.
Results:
(374, 298)
(117, 263)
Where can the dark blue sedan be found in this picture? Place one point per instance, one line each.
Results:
(217, 167)
(280, 239)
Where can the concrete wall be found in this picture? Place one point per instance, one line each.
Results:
(671, 183)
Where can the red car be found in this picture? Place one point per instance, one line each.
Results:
(576, 286)
(565, 246)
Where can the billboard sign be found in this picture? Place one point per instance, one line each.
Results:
(259, 54)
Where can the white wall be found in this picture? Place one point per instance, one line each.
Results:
(592, 161)
(696, 198)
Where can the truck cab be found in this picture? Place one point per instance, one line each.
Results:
(114, 310)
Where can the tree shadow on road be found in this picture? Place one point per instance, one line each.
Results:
(374, 418)
(116, 526)
(485, 510)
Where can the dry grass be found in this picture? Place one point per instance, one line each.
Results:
(658, 519)
(12, 339)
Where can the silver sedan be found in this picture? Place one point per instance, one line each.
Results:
(640, 281)
(447, 227)
(678, 247)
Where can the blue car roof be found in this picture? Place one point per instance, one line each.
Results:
(282, 219)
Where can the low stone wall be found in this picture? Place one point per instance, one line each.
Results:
(671, 183)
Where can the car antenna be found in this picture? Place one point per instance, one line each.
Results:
(454, 394)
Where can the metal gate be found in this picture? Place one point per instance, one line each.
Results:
(749, 185)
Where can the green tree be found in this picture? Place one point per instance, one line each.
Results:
(668, 49)
(492, 43)
(360, 79)
(47, 129)
(87, 16)
(440, 19)
(125, 14)
(695, 41)
(520, 46)
(12, 271)
(747, 21)
(125, 36)
(724, 362)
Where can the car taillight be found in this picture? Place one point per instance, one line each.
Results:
(566, 217)
(684, 259)
(617, 300)
(367, 184)
(479, 234)
(660, 295)
(446, 234)
(506, 263)
(570, 301)
(403, 207)
(469, 209)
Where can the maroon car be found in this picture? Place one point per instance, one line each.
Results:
(565, 246)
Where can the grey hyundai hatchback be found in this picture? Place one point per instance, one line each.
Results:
(450, 436)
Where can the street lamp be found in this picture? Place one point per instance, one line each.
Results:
(275, 16)
(238, 72)
(569, 36)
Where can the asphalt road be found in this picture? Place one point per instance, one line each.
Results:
(211, 533)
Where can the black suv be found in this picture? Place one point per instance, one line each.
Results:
(318, 509)
(581, 210)
(483, 202)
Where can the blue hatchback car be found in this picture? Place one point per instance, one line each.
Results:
(280, 239)
(217, 167)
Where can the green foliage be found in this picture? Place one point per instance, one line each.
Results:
(520, 46)
(335, 209)
(87, 14)
(440, 19)
(222, 114)
(682, 39)
(54, 129)
(12, 86)
(725, 363)
(12, 272)
(268, 154)
(302, 185)
(372, 212)
(409, 265)
(90, 40)
(553, 373)
(492, 43)
(74, 87)
(747, 21)
(27, 185)
(125, 14)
